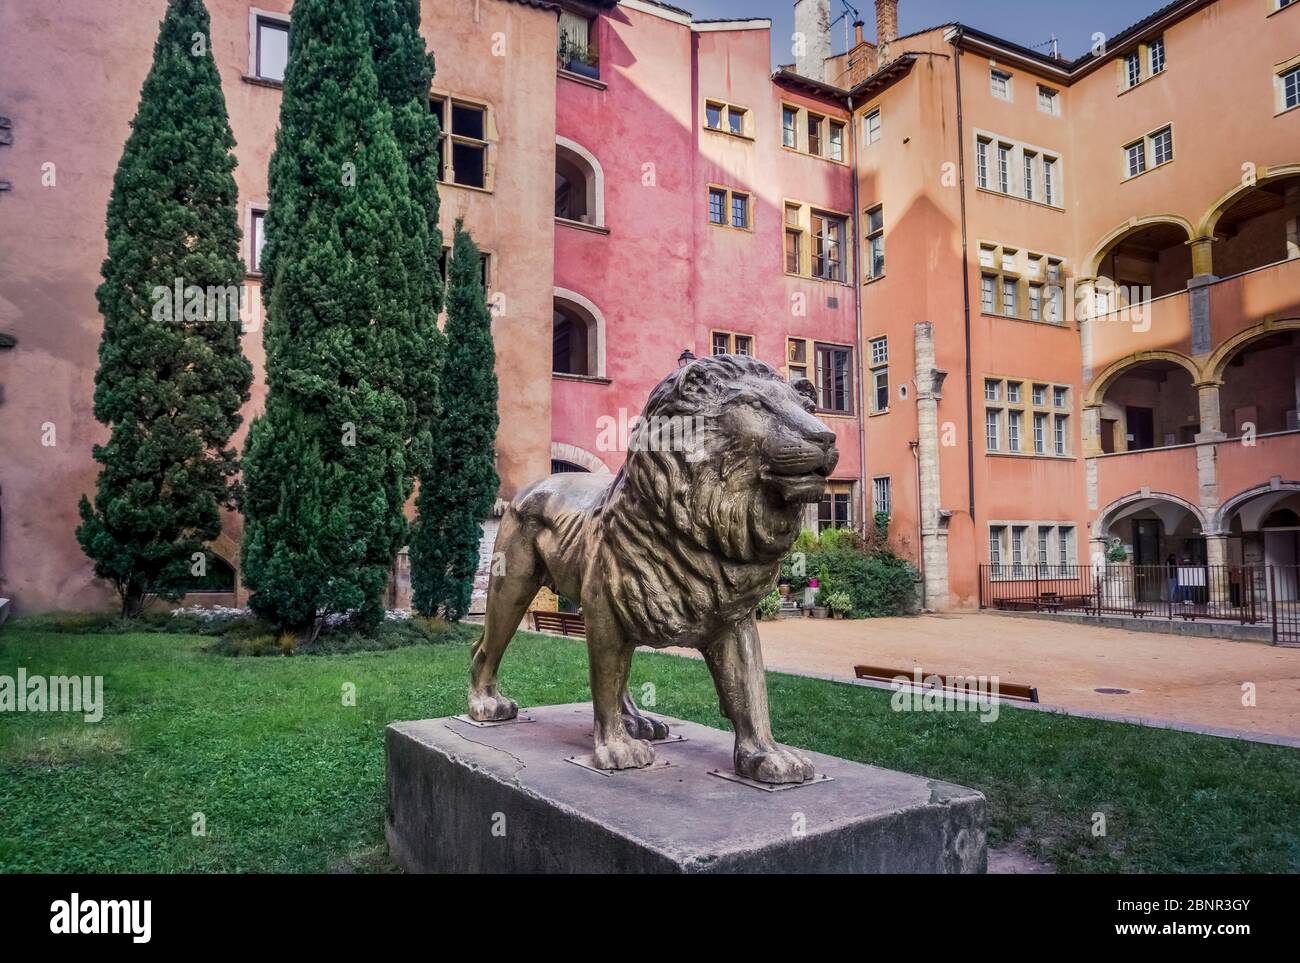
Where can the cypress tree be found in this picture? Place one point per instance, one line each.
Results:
(404, 69)
(171, 375)
(326, 467)
(460, 486)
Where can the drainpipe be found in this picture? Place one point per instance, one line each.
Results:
(857, 308)
(920, 527)
(965, 279)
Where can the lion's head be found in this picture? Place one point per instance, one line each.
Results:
(729, 452)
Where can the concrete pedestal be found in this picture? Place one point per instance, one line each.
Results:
(515, 798)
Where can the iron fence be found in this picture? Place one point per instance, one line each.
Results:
(1248, 594)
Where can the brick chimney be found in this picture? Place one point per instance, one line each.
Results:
(886, 27)
(857, 33)
(812, 27)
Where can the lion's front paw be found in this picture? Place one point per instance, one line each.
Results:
(491, 706)
(774, 763)
(644, 727)
(623, 753)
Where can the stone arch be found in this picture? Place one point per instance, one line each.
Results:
(1263, 175)
(1219, 358)
(582, 308)
(561, 451)
(572, 154)
(1136, 501)
(1092, 263)
(1223, 515)
(1103, 380)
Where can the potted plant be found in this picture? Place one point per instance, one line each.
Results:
(578, 59)
(769, 606)
(839, 604)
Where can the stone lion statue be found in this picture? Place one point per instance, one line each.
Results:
(674, 550)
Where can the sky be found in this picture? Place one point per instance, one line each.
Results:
(1027, 22)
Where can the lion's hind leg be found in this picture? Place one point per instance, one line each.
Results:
(516, 577)
(638, 724)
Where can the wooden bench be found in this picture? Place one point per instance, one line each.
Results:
(1010, 691)
(561, 623)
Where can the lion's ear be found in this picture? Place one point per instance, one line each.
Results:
(699, 384)
(807, 389)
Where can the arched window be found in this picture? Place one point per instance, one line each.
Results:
(561, 467)
(579, 185)
(577, 336)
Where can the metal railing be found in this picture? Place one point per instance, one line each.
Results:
(1248, 594)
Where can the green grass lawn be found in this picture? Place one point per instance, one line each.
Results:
(291, 780)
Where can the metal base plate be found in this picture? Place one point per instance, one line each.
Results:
(589, 762)
(817, 779)
(489, 725)
(666, 741)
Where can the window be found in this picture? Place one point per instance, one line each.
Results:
(988, 285)
(1049, 101)
(1018, 550)
(576, 50)
(272, 49)
(837, 141)
(871, 127)
(876, 242)
(1039, 395)
(1162, 146)
(1044, 533)
(881, 496)
(1040, 432)
(879, 374)
(484, 259)
(1132, 69)
(1009, 307)
(828, 245)
(996, 534)
(793, 250)
(740, 210)
(1000, 84)
(1136, 158)
(1060, 436)
(1013, 392)
(992, 429)
(1013, 430)
(256, 241)
(1290, 88)
(463, 150)
(790, 127)
(1035, 302)
(727, 118)
(1004, 168)
(1049, 180)
(834, 509)
(796, 353)
(814, 134)
(1065, 545)
(1029, 176)
(834, 378)
(1060, 397)
(729, 208)
(725, 342)
(992, 389)
(1156, 55)
(982, 163)
(717, 205)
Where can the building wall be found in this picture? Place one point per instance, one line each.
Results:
(71, 77)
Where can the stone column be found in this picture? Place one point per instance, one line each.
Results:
(1216, 556)
(1092, 431)
(1207, 394)
(1202, 256)
(934, 529)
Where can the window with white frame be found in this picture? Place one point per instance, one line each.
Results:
(982, 162)
(1156, 55)
(1018, 550)
(879, 348)
(1030, 160)
(828, 246)
(1040, 432)
(1035, 302)
(1288, 83)
(876, 242)
(1033, 549)
(881, 496)
(1013, 430)
(1009, 305)
(726, 118)
(1049, 180)
(1008, 409)
(1049, 100)
(790, 127)
(1000, 84)
(271, 48)
(1004, 168)
(871, 127)
(1133, 69)
(993, 429)
(1061, 438)
(256, 240)
(1162, 146)
(988, 289)
(996, 534)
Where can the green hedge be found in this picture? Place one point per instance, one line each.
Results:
(878, 582)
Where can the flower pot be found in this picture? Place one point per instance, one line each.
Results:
(820, 611)
(576, 66)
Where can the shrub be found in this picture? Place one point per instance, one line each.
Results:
(877, 584)
(839, 602)
(769, 606)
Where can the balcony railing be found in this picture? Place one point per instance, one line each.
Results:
(1248, 594)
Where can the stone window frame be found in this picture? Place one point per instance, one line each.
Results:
(999, 406)
(1028, 269)
(1047, 170)
(1061, 534)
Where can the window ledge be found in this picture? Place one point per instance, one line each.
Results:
(813, 277)
(252, 275)
(845, 415)
(464, 187)
(1029, 455)
(730, 133)
(581, 79)
(1023, 200)
(872, 280)
(1145, 80)
(1149, 170)
(1287, 110)
(589, 379)
(262, 82)
(820, 157)
(882, 411)
(582, 225)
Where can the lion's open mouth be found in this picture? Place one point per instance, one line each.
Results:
(797, 489)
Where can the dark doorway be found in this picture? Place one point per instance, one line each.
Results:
(1141, 428)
